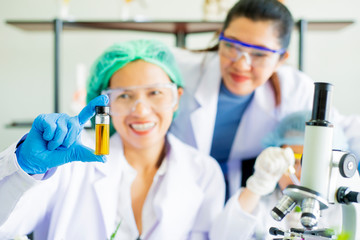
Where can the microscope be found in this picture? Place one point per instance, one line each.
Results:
(328, 177)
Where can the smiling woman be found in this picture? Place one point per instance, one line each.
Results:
(148, 179)
(143, 104)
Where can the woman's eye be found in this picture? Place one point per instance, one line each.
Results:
(155, 92)
(258, 54)
(123, 96)
(229, 45)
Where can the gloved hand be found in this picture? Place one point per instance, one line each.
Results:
(54, 139)
(270, 165)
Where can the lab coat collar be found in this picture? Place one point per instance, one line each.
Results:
(209, 85)
(107, 183)
(261, 108)
(264, 98)
(109, 178)
(186, 196)
(163, 167)
(206, 95)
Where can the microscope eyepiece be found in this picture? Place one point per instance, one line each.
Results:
(321, 104)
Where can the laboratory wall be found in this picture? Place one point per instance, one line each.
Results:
(27, 67)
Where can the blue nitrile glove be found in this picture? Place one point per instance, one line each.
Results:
(54, 139)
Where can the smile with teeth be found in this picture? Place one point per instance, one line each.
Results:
(142, 127)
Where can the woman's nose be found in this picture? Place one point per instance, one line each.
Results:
(243, 62)
(140, 108)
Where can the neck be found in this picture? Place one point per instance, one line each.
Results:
(145, 159)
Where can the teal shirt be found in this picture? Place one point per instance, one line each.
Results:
(230, 110)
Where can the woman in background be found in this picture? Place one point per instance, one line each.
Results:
(239, 90)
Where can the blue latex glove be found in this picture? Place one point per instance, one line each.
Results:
(54, 139)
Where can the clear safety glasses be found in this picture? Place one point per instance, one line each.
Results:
(255, 56)
(158, 97)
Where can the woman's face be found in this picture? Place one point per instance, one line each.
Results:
(239, 76)
(142, 125)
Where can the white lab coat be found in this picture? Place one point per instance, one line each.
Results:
(81, 200)
(198, 106)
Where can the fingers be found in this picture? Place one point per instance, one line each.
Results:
(73, 132)
(59, 133)
(289, 156)
(275, 160)
(89, 111)
(46, 125)
(58, 129)
(276, 163)
(85, 154)
(268, 158)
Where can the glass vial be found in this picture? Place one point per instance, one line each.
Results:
(102, 130)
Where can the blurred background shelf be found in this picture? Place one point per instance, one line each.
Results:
(178, 28)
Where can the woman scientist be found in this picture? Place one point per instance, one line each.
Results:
(151, 186)
(239, 92)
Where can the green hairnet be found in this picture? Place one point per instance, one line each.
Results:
(291, 131)
(122, 53)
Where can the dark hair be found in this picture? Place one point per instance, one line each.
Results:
(259, 10)
(263, 10)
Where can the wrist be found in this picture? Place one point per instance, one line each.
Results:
(19, 145)
(248, 200)
(260, 186)
(18, 150)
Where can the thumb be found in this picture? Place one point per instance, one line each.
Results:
(89, 110)
(85, 154)
(289, 156)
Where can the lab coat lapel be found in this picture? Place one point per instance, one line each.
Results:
(203, 118)
(106, 186)
(179, 208)
(258, 119)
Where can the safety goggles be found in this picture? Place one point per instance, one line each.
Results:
(158, 97)
(255, 56)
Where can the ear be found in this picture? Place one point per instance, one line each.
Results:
(180, 92)
(282, 60)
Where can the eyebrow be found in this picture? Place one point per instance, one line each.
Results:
(232, 40)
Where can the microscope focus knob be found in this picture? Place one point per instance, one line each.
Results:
(275, 231)
(348, 165)
(344, 195)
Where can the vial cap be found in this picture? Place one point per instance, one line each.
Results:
(102, 110)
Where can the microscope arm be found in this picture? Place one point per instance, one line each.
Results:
(351, 220)
(349, 198)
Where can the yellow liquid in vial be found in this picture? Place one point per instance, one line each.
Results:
(102, 139)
